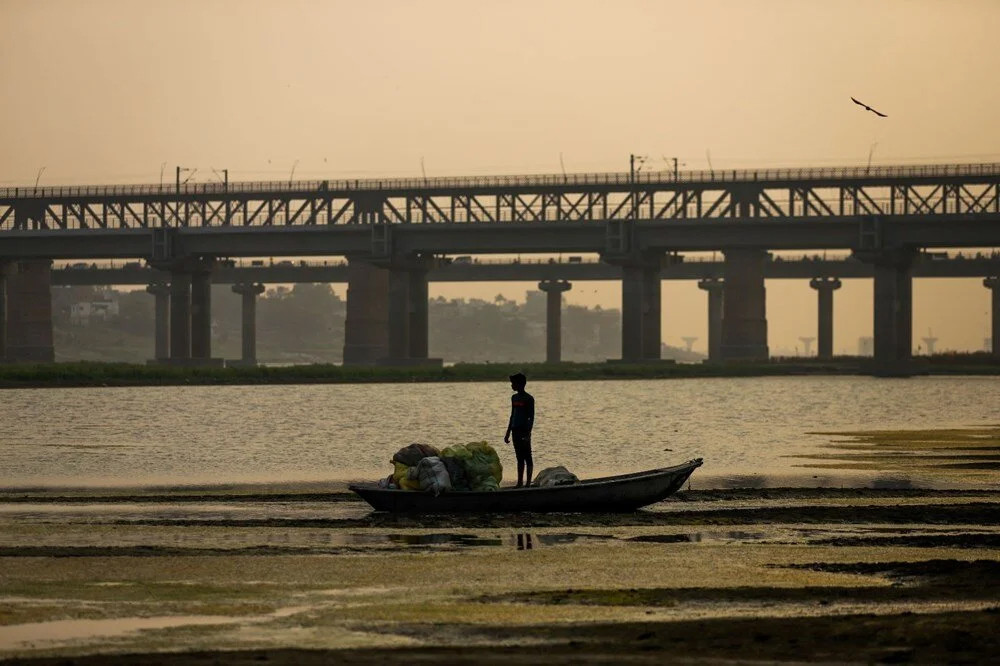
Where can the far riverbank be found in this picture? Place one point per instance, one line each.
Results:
(89, 374)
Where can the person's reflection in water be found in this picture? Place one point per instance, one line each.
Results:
(524, 541)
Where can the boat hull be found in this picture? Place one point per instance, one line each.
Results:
(615, 493)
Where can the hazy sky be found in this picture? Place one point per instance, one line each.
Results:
(103, 91)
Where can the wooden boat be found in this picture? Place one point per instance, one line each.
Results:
(626, 492)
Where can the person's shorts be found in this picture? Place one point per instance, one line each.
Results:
(522, 443)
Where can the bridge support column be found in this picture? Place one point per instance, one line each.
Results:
(180, 316)
(715, 288)
(161, 317)
(640, 305)
(824, 334)
(4, 267)
(399, 316)
(249, 291)
(993, 284)
(28, 306)
(419, 312)
(367, 323)
(553, 317)
(744, 306)
(893, 309)
(632, 313)
(201, 310)
(652, 336)
(408, 314)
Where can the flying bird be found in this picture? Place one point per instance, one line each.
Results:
(881, 115)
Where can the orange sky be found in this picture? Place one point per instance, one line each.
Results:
(108, 91)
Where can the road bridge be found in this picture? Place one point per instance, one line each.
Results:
(392, 229)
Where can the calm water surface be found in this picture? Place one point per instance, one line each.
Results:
(744, 428)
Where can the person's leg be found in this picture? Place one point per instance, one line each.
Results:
(519, 452)
(528, 463)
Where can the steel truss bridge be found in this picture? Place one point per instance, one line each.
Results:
(635, 223)
(957, 189)
(608, 213)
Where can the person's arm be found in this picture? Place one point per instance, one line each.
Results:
(531, 413)
(506, 437)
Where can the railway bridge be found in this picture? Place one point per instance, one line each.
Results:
(393, 232)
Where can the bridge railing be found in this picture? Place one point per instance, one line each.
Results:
(708, 176)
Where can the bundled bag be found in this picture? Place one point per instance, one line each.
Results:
(401, 478)
(485, 462)
(456, 472)
(412, 454)
(555, 476)
(431, 475)
(480, 463)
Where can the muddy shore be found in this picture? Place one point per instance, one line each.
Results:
(714, 576)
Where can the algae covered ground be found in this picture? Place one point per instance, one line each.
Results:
(294, 575)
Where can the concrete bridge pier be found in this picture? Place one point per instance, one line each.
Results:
(993, 284)
(366, 326)
(201, 310)
(191, 311)
(893, 309)
(4, 267)
(640, 306)
(180, 316)
(715, 288)
(652, 337)
(399, 317)
(161, 317)
(408, 312)
(249, 291)
(553, 317)
(419, 311)
(824, 287)
(632, 328)
(744, 305)
(27, 307)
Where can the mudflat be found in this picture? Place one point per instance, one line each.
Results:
(301, 576)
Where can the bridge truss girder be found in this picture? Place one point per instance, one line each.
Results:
(644, 202)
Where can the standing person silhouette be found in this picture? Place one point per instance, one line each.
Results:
(522, 418)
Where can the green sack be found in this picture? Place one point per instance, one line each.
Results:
(487, 484)
(484, 463)
(459, 451)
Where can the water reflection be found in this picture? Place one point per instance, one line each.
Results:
(519, 540)
(533, 540)
(892, 483)
(877, 481)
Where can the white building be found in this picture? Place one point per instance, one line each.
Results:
(86, 311)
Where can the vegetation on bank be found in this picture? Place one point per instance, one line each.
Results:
(128, 374)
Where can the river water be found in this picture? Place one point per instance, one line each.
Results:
(749, 430)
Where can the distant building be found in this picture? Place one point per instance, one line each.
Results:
(87, 311)
(866, 346)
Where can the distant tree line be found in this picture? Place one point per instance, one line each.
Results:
(305, 323)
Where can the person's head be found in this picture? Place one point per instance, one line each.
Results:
(518, 381)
